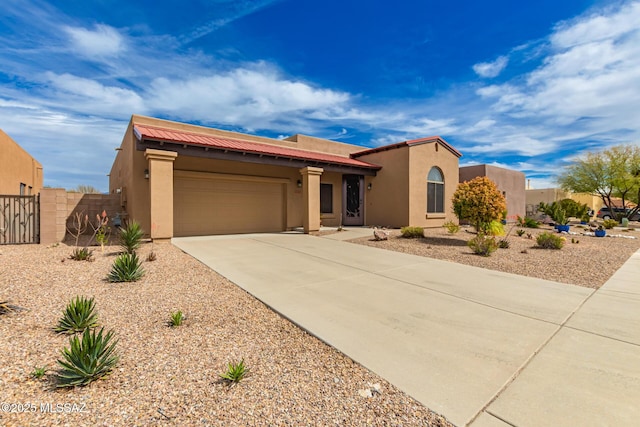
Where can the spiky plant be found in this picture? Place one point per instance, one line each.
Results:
(81, 254)
(39, 372)
(78, 316)
(235, 372)
(176, 318)
(88, 358)
(130, 237)
(126, 268)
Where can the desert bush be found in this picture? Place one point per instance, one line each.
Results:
(480, 202)
(87, 359)
(495, 228)
(81, 254)
(126, 268)
(483, 245)
(609, 223)
(412, 232)
(520, 232)
(451, 227)
(503, 244)
(527, 222)
(555, 210)
(130, 237)
(78, 316)
(39, 372)
(548, 240)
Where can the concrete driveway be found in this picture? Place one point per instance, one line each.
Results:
(480, 347)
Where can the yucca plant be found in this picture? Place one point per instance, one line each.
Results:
(126, 268)
(131, 237)
(176, 318)
(235, 372)
(87, 359)
(78, 316)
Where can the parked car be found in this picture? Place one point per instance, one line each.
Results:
(605, 213)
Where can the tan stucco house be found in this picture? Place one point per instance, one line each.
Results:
(178, 179)
(20, 174)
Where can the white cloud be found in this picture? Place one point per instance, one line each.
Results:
(86, 96)
(243, 97)
(102, 41)
(491, 69)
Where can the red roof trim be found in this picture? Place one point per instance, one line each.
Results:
(145, 132)
(408, 144)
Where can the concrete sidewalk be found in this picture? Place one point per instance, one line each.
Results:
(478, 346)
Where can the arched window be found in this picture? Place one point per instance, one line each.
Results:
(435, 191)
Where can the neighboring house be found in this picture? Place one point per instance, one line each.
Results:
(20, 174)
(550, 195)
(184, 180)
(510, 182)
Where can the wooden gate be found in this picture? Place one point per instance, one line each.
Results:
(19, 219)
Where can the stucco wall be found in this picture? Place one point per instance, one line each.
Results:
(510, 182)
(386, 204)
(422, 158)
(17, 166)
(335, 179)
(58, 210)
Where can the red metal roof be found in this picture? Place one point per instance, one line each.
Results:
(409, 144)
(184, 137)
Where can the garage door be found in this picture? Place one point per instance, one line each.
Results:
(219, 204)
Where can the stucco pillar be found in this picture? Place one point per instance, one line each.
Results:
(311, 198)
(161, 192)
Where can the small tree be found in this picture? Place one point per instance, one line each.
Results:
(479, 201)
(614, 172)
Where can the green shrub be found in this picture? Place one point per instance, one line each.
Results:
(495, 228)
(78, 316)
(39, 372)
(520, 232)
(483, 245)
(176, 318)
(503, 244)
(235, 372)
(81, 254)
(451, 227)
(412, 232)
(527, 222)
(87, 359)
(609, 223)
(126, 268)
(548, 240)
(130, 237)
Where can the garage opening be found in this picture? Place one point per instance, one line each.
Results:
(207, 203)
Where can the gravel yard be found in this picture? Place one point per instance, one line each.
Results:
(169, 376)
(589, 262)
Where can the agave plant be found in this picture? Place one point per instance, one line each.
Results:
(130, 237)
(235, 372)
(126, 268)
(78, 316)
(81, 254)
(87, 359)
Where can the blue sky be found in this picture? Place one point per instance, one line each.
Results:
(524, 85)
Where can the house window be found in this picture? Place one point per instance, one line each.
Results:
(326, 198)
(435, 191)
(22, 188)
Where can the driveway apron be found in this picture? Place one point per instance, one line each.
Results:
(462, 340)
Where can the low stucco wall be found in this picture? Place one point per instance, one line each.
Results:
(58, 209)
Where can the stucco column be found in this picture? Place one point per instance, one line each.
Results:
(311, 198)
(161, 192)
